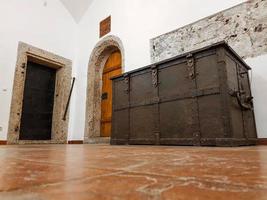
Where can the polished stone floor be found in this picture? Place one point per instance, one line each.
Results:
(132, 172)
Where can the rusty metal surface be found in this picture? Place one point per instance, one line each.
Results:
(187, 100)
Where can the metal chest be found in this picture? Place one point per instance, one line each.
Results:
(198, 98)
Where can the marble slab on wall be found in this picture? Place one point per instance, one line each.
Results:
(244, 27)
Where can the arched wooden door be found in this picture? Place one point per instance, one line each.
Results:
(112, 68)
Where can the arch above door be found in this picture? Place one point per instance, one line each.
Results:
(98, 59)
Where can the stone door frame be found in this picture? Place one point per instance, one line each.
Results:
(103, 49)
(63, 66)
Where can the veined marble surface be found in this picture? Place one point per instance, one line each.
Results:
(132, 172)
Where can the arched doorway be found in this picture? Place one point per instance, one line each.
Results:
(112, 68)
(96, 67)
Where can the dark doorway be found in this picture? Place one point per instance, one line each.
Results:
(38, 102)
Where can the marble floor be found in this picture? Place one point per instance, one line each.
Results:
(132, 172)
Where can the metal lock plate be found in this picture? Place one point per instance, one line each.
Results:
(104, 96)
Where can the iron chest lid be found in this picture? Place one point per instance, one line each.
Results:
(215, 45)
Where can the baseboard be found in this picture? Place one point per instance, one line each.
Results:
(3, 142)
(98, 140)
(262, 141)
(75, 142)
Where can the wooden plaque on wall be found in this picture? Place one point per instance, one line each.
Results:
(105, 26)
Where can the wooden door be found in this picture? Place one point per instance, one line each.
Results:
(112, 68)
(38, 102)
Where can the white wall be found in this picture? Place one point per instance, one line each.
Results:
(47, 27)
(135, 23)
(259, 92)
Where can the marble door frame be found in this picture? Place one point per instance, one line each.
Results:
(27, 53)
(103, 49)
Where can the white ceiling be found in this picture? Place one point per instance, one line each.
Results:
(77, 8)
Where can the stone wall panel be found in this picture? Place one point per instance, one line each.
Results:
(244, 27)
